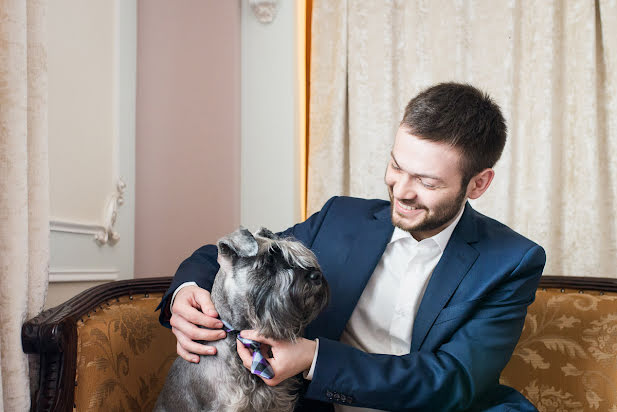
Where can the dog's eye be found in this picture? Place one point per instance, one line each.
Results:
(314, 277)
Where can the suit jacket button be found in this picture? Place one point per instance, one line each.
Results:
(329, 394)
(337, 396)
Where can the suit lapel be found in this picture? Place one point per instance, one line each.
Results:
(447, 275)
(365, 252)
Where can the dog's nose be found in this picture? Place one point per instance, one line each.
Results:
(315, 277)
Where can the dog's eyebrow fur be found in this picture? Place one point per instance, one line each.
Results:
(293, 252)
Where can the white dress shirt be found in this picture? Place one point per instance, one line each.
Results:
(383, 318)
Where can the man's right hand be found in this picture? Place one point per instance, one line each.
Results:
(192, 306)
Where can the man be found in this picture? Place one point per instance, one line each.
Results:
(429, 297)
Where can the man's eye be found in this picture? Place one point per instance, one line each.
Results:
(395, 167)
(427, 185)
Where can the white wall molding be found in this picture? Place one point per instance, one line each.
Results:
(75, 227)
(104, 233)
(82, 275)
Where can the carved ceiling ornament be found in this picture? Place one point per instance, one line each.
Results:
(108, 235)
(264, 10)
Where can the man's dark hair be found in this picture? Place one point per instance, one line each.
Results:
(462, 116)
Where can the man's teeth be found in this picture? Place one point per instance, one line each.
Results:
(406, 207)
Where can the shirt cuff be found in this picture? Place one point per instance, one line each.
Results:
(171, 304)
(309, 375)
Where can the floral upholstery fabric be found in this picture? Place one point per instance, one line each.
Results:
(123, 355)
(566, 359)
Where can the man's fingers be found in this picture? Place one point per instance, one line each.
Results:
(212, 332)
(271, 382)
(193, 308)
(206, 305)
(184, 354)
(197, 348)
(196, 317)
(245, 354)
(192, 347)
(247, 360)
(194, 332)
(253, 335)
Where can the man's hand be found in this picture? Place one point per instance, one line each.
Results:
(193, 306)
(288, 359)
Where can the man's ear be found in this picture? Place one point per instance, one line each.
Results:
(240, 243)
(479, 183)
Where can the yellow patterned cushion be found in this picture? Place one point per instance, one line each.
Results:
(566, 359)
(123, 355)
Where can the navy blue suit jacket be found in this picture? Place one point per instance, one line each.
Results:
(466, 328)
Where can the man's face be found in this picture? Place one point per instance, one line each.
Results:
(425, 185)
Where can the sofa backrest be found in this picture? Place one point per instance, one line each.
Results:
(566, 358)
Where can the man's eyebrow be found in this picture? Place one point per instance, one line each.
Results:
(416, 174)
(393, 158)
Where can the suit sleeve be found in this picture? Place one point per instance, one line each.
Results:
(201, 267)
(458, 373)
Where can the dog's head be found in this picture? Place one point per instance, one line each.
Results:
(267, 283)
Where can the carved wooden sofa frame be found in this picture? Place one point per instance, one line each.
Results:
(53, 335)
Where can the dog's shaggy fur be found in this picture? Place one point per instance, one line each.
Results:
(270, 284)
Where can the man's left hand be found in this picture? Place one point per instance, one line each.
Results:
(288, 359)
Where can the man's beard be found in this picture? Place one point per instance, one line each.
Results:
(440, 215)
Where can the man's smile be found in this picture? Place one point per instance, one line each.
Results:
(407, 210)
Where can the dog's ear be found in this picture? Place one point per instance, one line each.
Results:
(263, 232)
(240, 243)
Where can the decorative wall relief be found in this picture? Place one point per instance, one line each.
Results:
(264, 10)
(108, 234)
(103, 233)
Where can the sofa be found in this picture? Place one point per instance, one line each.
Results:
(105, 350)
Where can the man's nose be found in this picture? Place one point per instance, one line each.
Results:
(404, 188)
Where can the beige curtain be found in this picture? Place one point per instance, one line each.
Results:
(24, 186)
(551, 65)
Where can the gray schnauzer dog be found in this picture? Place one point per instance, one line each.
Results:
(267, 283)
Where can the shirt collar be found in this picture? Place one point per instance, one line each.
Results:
(441, 238)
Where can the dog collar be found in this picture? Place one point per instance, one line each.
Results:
(260, 365)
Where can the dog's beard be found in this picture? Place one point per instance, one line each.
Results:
(283, 309)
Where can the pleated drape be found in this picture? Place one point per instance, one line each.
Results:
(24, 188)
(552, 67)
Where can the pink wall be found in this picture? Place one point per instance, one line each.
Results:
(188, 129)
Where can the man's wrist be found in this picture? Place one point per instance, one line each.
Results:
(308, 374)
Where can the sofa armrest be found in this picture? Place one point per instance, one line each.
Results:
(53, 336)
(565, 358)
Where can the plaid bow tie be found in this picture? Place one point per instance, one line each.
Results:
(260, 365)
